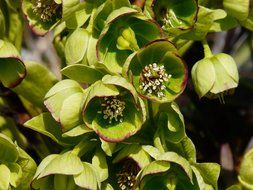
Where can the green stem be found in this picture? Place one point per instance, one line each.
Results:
(207, 50)
(150, 112)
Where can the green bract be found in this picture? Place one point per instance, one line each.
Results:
(65, 172)
(12, 69)
(126, 31)
(241, 10)
(246, 171)
(157, 71)
(42, 15)
(174, 16)
(112, 109)
(215, 75)
(16, 167)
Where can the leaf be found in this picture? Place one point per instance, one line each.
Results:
(12, 69)
(8, 150)
(100, 163)
(28, 169)
(38, 81)
(67, 164)
(15, 174)
(88, 179)
(76, 46)
(210, 173)
(152, 151)
(4, 177)
(82, 73)
(46, 125)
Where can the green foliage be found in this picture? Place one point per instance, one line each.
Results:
(113, 118)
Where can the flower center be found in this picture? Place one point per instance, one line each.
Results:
(112, 109)
(127, 176)
(153, 79)
(45, 9)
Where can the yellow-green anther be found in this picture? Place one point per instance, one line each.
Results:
(126, 40)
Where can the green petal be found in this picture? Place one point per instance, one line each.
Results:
(100, 163)
(134, 152)
(203, 76)
(88, 178)
(12, 69)
(76, 46)
(67, 164)
(8, 150)
(82, 73)
(5, 176)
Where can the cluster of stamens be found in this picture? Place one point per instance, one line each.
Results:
(112, 109)
(127, 176)
(169, 20)
(45, 9)
(153, 79)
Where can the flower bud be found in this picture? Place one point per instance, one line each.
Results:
(215, 76)
(127, 40)
(246, 171)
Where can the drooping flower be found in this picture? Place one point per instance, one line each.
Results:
(215, 75)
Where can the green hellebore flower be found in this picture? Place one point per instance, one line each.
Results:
(246, 170)
(126, 31)
(157, 71)
(169, 171)
(65, 172)
(215, 75)
(12, 68)
(132, 158)
(174, 16)
(113, 110)
(42, 15)
(16, 167)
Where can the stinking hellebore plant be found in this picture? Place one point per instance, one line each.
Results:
(113, 120)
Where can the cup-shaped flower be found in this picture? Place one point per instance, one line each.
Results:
(157, 71)
(246, 170)
(113, 110)
(131, 159)
(174, 16)
(126, 31)
(65, 172)
(12, 69)
(215, 76)
(16, 167)
(169, 171)
(42, 14)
